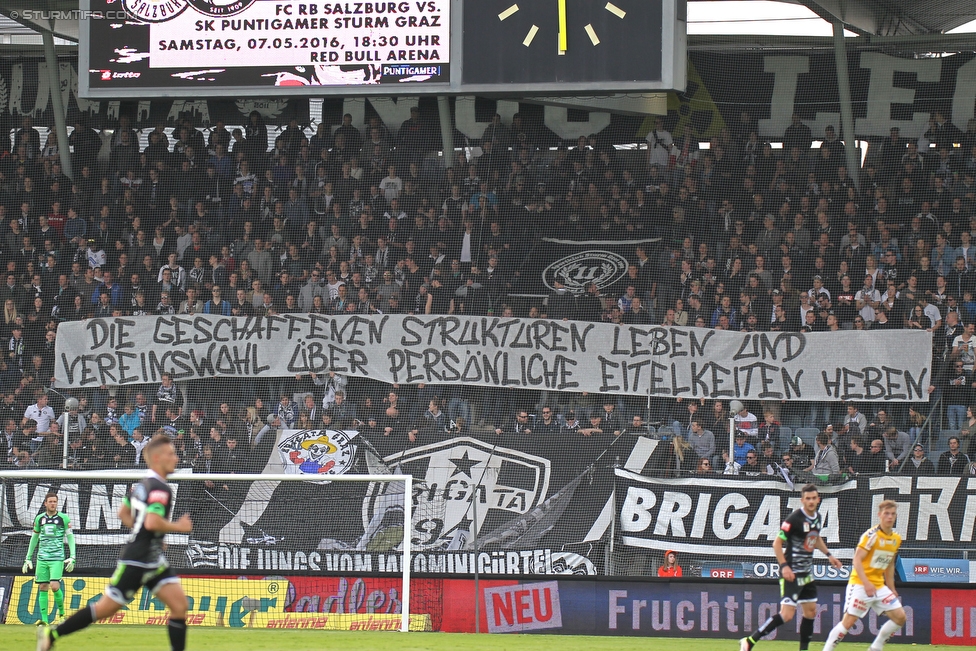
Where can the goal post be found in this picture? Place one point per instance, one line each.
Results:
(92, 498)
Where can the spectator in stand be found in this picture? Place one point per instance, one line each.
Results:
(742, 447)
(861, 460)
(548, 426)
(342, 411)
(139, 442)
(167, 395)
(702, 440)
(768, 458)
(769, 431)
(897, 447)
(752, 466)
(685, 411)
(287, 411)
(40, 412)
(801, 453)
(704, 467)
(670, 567)
(954, 461)
(732, 467)
(826, 462)
(957, 391)
(121, 453)
(918, 464)
(432, 426)
(746, 422)
(854, 422)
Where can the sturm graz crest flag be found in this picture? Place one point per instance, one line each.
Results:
(576, 263)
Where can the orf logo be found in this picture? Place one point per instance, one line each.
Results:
(921, 569)
(579, 269)
(448, 476)
(321, 452)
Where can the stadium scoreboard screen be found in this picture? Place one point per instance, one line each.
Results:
(144, 48)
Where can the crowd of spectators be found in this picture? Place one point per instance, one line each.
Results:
(734, 234)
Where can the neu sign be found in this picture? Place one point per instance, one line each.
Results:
(526, 607)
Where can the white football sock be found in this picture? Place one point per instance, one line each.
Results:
(886, 632)
(837, 634)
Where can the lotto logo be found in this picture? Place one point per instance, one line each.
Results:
(106, 75)
(921, 569)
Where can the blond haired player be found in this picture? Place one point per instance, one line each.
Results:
(872, 584)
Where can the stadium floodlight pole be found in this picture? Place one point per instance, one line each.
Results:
(64, 434)
(57, 106)
(474, 532)
(447, 130)
(732, 440)
(226, 476)
(477, 577)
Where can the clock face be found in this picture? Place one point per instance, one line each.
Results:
(562, 41)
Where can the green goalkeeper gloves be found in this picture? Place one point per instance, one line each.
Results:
(28, 567)
(69, 565)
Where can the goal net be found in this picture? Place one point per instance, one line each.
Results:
(294, 552)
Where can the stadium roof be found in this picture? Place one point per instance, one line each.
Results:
(63, 24)
(865, 17)
(896, 17)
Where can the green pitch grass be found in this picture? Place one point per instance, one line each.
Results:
(144, 638)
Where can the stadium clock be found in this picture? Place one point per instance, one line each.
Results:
(562, 24)
(561, 41)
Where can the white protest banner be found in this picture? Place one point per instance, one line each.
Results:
(503, 352)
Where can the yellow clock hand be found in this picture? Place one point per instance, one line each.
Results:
(563, 39)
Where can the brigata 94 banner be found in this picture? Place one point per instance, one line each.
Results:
(502, 352)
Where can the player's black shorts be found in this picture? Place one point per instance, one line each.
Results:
(127, 580)
(799, 591)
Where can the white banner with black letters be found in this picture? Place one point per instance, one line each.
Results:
(501, 352)
(730, 517)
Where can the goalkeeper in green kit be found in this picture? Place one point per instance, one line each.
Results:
(51, 528)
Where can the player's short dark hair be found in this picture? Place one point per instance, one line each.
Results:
(50, 494)
(809, 488)
(155, 443)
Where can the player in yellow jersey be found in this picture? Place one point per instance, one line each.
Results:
(872, 584)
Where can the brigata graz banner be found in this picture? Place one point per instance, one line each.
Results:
(726, 517)
(501, 352)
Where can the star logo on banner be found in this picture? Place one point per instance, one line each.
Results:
(464, 524)
(463, 465)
